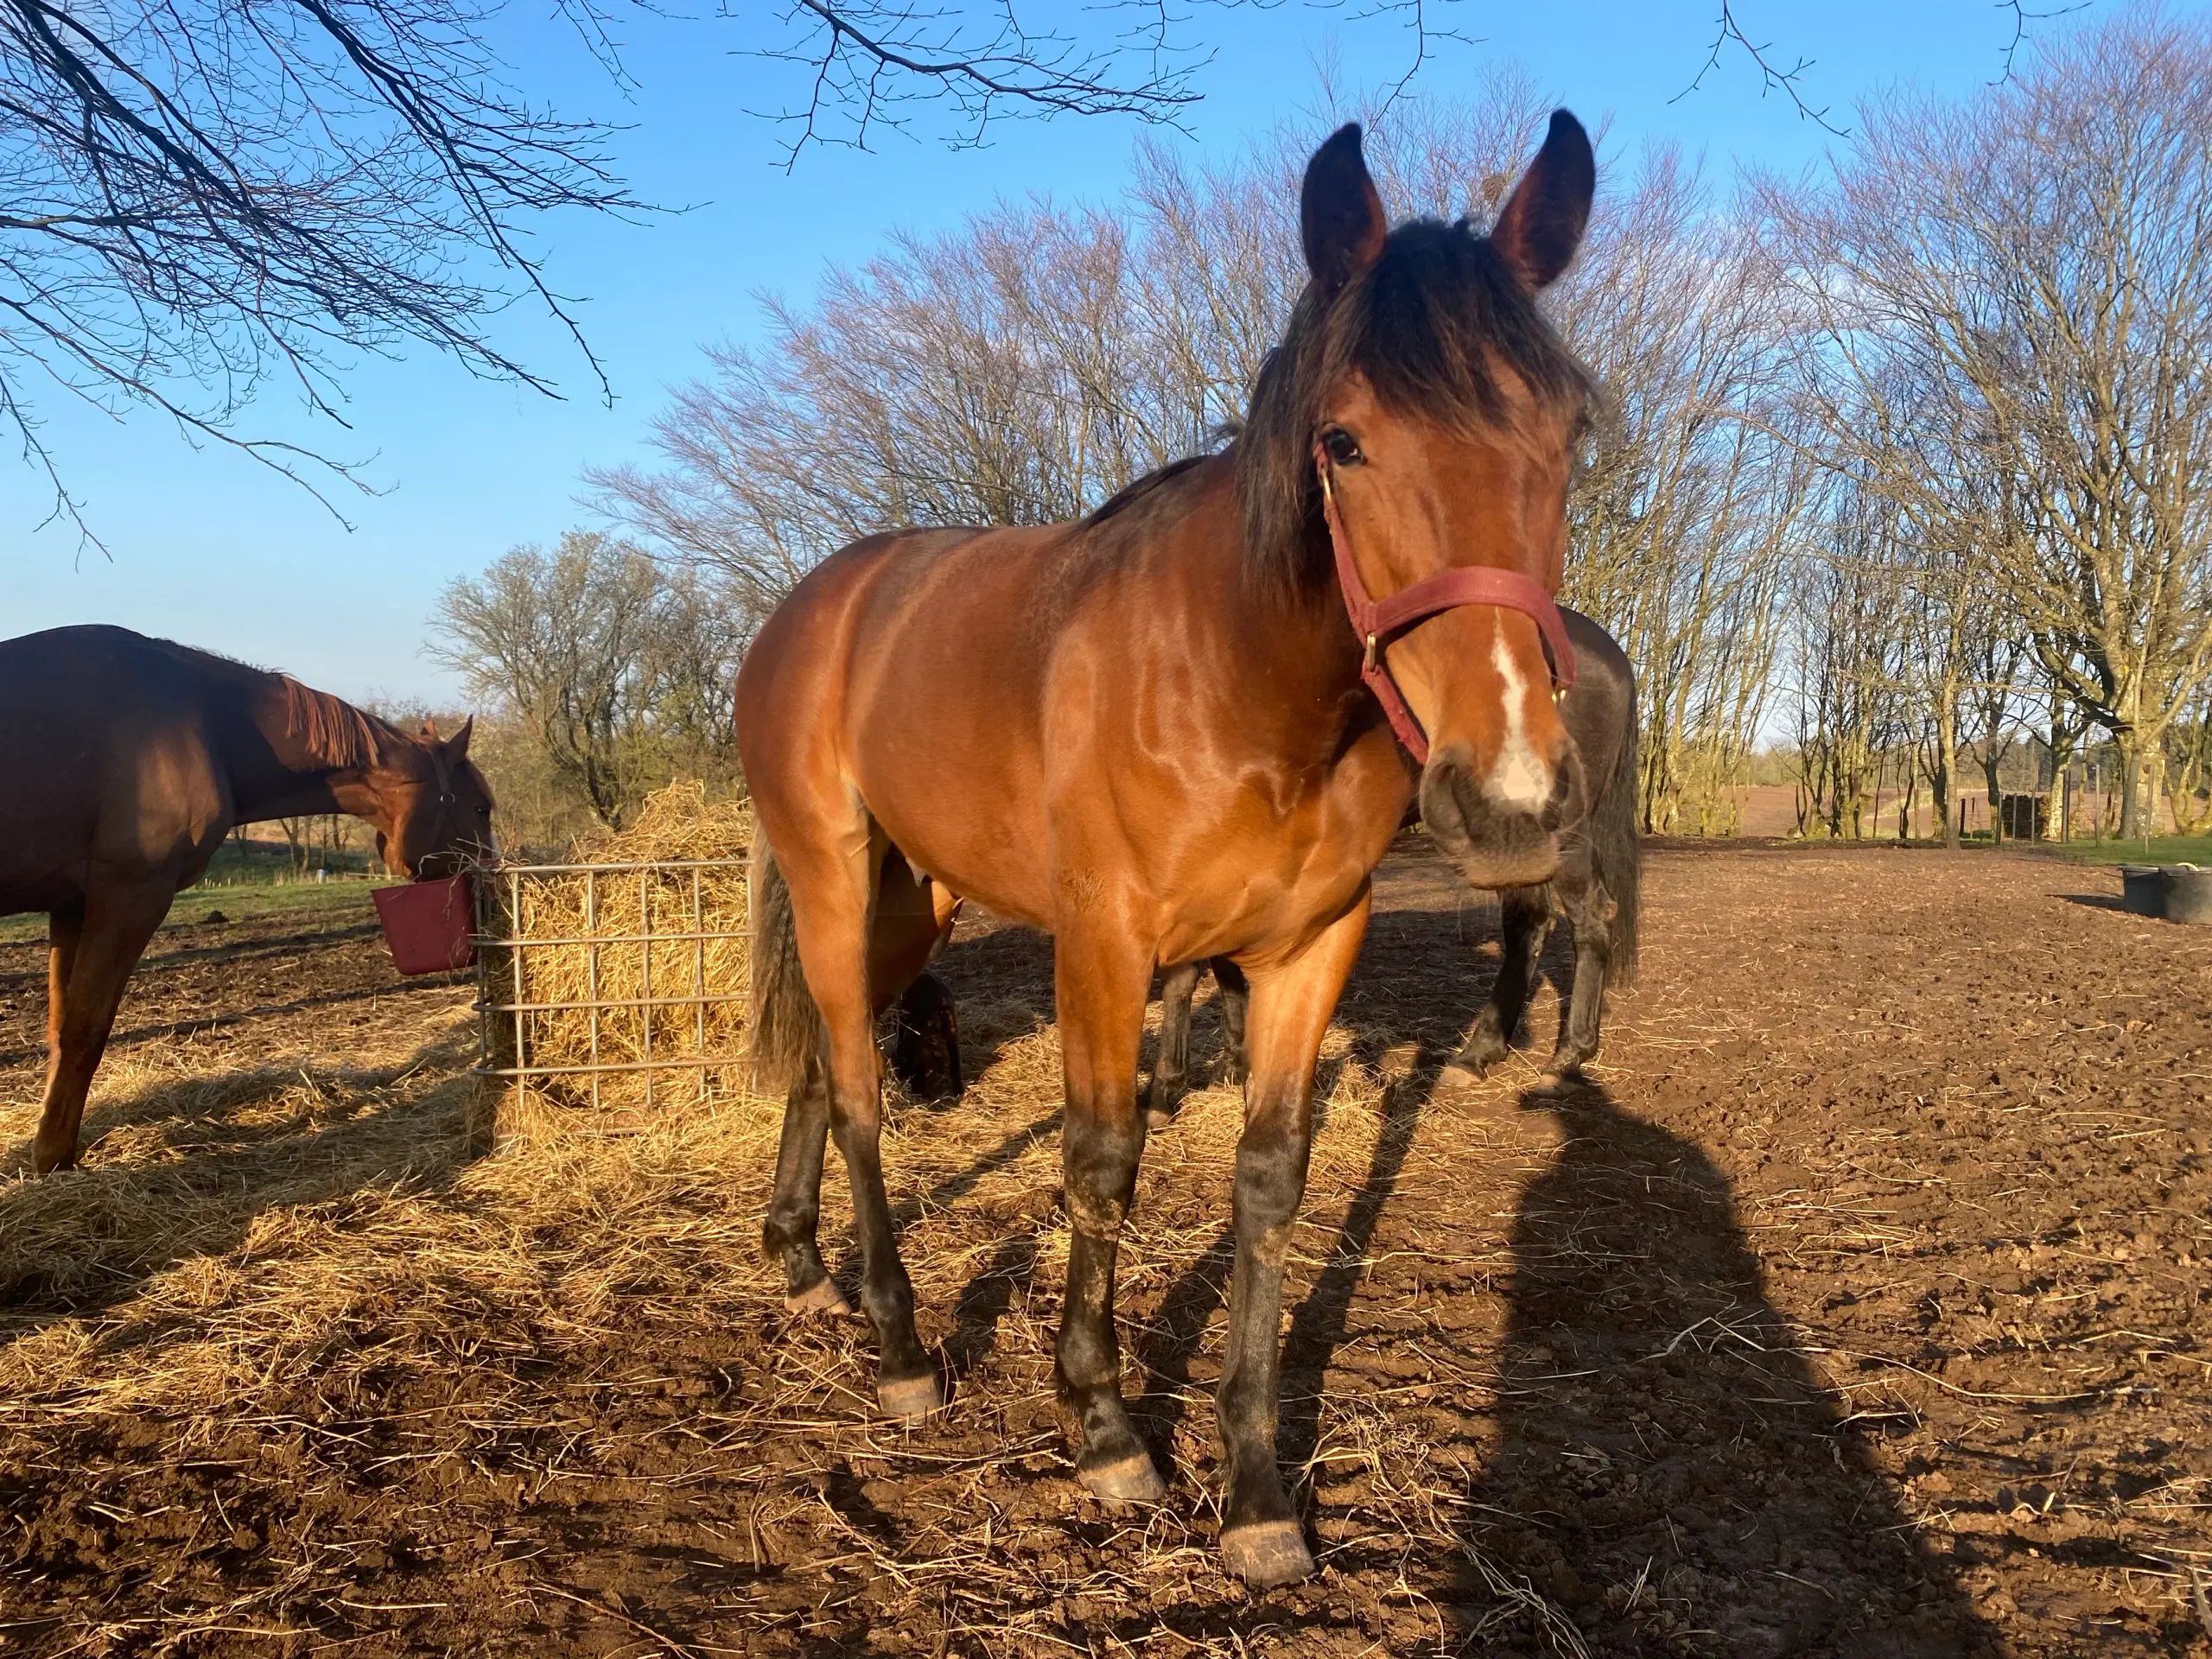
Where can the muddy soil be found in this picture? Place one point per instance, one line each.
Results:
(1856, 1305)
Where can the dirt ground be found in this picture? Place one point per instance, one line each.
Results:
(1856, 1306)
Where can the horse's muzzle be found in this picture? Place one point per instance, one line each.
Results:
(1492, 842)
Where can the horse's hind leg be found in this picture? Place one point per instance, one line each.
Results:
(1171, 1072)
(1235, 994)
(1100, 979)
(832, 893)
(92, 952)
(795, 1211)
(908, 922)
(1590, 911)
(1526, 917)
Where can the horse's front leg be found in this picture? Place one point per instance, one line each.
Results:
(1591, 913)
(1525, 920)
(90, 954)
(1260, 1539)
(1101, 976)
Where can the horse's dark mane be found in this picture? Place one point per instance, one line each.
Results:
(1130, 493)
(334, 731)
(1425, 325)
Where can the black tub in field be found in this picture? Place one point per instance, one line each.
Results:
(2179, 892)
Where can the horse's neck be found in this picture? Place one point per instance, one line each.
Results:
(287, 769)
(1296, 650)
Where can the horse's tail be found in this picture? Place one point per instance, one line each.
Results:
(1618, 851)
(786, 1026)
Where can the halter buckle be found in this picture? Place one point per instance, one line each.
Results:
(1373, 653)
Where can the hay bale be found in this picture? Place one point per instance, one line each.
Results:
(620, 937)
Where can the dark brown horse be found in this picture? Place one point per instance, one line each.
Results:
(1595, 891)
(1166, 750)
(124, 763)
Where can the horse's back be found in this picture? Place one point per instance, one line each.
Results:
(1599, 713)
(103, 758)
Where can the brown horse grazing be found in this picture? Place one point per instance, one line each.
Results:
(1166, 749)
(1595, 889)
(124, 763)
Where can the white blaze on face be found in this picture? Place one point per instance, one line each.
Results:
(1521, 780)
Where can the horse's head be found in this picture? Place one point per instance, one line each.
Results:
(1436, 414)
(434, 808)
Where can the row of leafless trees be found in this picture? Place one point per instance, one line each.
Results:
(606, 674)
(1902, 464)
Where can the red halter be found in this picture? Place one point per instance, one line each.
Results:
(1447, 590)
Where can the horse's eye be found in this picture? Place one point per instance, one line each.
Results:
(1340, 447)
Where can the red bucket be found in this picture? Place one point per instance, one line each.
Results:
(426, 925)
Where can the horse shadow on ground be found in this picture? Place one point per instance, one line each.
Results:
(1668, 1472)
(223, 1151)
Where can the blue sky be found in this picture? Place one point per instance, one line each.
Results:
(207, 547)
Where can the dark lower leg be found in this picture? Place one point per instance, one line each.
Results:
(794, 1212)
(1101, 1173)
(1171, 1072)
(1099, 986)
(1525, 918)
(1271, 1161)
(905, 1379)
(1235, 993)
(1260, 1539)
(1579, 1032)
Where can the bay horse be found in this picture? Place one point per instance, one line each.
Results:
(1594, 890)
(124, 762)
(1176, 728)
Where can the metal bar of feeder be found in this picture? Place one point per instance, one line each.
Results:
(698, 972)
(619, 938)
(591, 926)
(646, 973)
(711, 999)
(514, 925)
(620, 869)
(665, 1063)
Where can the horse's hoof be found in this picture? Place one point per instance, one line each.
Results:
(1127, 1480)
(823, 1296)
(1266, 1553)
(913, 1398)
(1159, 1117)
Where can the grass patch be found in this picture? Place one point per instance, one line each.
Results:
(339, 902)
(2164, 849)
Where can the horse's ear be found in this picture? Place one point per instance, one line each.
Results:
(457, 745)
(1339, 213)
(429, 729)
(1541, 225)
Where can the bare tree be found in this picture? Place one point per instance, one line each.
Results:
(621, 669)
(1684, 515)
(1851, 659)
(2009, 306)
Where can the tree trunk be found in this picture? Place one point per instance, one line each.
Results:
(2130, 785)
(2061, 747)
(1947, 763)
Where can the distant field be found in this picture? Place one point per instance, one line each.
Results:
(342, 901)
